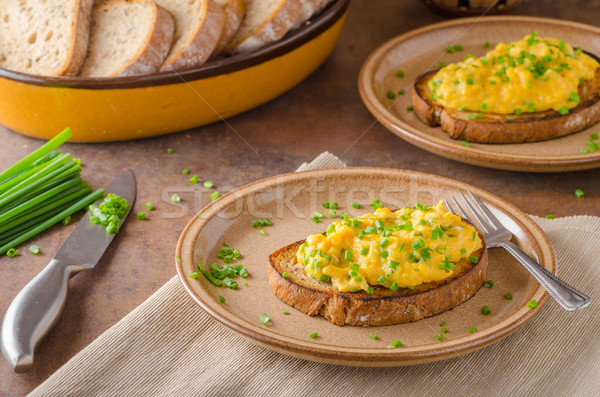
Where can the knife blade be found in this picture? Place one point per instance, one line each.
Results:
(38, 306)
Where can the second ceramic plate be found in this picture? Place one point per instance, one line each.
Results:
(290, 201)
(421, 50)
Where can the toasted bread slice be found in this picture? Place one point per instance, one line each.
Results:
(266, 21)
(383, 307)
(45, 38)
(127, 37)
(498, 128)
(198, 26)
(234, 14)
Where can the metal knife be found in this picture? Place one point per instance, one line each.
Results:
(38, 306)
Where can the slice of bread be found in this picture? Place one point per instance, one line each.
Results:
(198, 26)
(266, 21)
(234, 14)
(309, 8)
(383, 307)
(127, 37)
(498, 128)
(46, 38)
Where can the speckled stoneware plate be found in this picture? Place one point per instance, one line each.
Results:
(422, 49)
(290, 201)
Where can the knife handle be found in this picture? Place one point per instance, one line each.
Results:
(33, 313)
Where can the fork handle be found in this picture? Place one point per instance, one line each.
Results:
(567, 296)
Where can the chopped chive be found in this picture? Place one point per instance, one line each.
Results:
(563, 110)
(395, 344)
(373, 336)
(209, 185)
(486, 44)
(472, 330)
(194, 275)
(194, 179)
(185, 171)
(390, 94)
(473, 259)
(444, 330)
(175, 198)
(285, 274)
(409, 108)
(11, 253)
(485, 310)
(401, 92)
(170, 151)
(488, 284)
(149, 206)
(66, 220)
(400, 73)
(355, 205)
(401, 247)
(261, 232)
(441, 64)
(508, 296)
(466, 143)
(264, 318)
(442, 323)
(34, 249)
(141, 216)
(215, 195)
(286, 313)
(532, 304)
(370, 291)
(439, 336)
(549, 216)
(579, 193)
(348, 255)
(594, 136)
(364, 251)
(221, 299)
(178, 259)
(313, 335)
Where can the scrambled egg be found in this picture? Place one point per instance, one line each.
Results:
(400, 249)
(530, 75)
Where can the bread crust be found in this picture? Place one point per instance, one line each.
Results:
(383, 307)
(153, 55)
(82, 17)
(496, 128)
(199, 49)
(272, 29)
(234, 14)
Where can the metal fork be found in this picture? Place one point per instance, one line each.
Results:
(496, 235)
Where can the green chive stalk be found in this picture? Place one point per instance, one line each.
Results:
(39, 191)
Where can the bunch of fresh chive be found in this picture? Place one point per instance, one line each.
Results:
(40, 190)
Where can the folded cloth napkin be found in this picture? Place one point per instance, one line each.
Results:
(169, 346)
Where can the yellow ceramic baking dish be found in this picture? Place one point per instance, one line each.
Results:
(111, 109)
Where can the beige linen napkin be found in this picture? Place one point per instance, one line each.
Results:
(169, 346)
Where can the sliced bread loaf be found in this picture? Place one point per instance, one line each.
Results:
(47, 38)
(234, 14)
(266, 21)
(127, 37)
(198, 26)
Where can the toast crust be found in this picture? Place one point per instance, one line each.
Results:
(81, 34)
(383, 307)
(496, 128)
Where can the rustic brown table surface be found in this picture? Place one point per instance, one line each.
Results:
(323, 113)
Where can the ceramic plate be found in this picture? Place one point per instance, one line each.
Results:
(421, 50)
(290, 201)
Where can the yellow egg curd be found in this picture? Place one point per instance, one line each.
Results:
(395, 249)
(530, 75)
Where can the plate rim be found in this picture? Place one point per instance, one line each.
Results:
(355, 356)
(471, 155)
